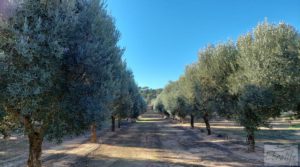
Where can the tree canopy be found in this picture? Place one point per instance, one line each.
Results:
(249, 81)
(62, 71)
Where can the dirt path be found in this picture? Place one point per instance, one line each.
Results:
(151, 142)
(154, 142)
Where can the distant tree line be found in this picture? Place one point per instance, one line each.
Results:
(149, 94)
(250, 81)
(61, 72)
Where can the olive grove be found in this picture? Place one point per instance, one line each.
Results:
(249, 81)
(60, 68)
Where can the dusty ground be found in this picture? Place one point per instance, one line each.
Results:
(14, 152)
(155, 142)
(282, 132)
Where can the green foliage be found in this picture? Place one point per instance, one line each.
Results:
(252, 81)
(32, 65)
(7, 124)
(267, 80)
(139, 106)
(168, 97)
(181, 107)
(159, 106)
(172, 101)
(92, 62)
(149, 94)
(61, 70)
(254, 107)
(268, 59)
(128, 102)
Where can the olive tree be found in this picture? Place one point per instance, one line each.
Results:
(168, 98)
(128, 102)
(181, 108)
(190, 85)
(159, 107)
(32, 73)
(205, 86)
(57, 68)
(172, 100)
(221, 66)
(92, 64)
(139, 105)
(267, 80)
(254, 110)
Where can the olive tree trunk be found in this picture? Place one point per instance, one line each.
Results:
(35, 149)
(251, 141)
(113, 123)
(192, 121)
(298, 111)
(206, 121)
(119, 123)
(35, 138)
(93, 133)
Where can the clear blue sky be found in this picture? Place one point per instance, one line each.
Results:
(161, 37)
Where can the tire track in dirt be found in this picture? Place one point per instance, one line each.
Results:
(160, 143)
(225, 154)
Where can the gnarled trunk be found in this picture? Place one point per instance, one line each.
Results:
(251, 141)
(35, 138)
(35, 149)
(206, 121)
(112, 123)
(119, 123)
(298, 111)
(192, 121)
(93, 133)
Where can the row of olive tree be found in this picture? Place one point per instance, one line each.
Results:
(62, 71)
(250, 81)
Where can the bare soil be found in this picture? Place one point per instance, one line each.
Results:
(154, 142)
